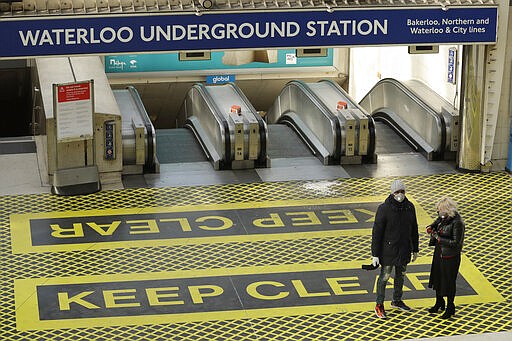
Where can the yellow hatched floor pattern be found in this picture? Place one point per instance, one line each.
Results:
(485, 202)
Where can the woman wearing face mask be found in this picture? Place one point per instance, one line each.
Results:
(447, 235)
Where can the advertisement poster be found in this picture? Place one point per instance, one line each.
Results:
(229, 60)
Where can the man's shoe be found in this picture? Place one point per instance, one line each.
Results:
(379, 311)
(400, 305)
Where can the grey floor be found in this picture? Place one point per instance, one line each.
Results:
(290, 160)
(24, 170)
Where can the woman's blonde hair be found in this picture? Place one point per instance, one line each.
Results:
(446, 204)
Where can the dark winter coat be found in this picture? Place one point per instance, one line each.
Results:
(395, 232)
(450, 235)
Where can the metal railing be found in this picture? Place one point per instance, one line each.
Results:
(107, 7)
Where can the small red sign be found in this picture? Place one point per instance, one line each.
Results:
(74, 92)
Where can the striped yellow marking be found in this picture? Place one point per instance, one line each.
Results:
(22, 241)
(27, 316)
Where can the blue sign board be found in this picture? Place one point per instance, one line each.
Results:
(248, 30)
(452, 55)
(220, 79)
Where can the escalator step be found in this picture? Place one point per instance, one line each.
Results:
(285, 143)
(177, 146)
(388, 141)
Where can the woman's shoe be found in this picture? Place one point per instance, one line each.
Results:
(438, 306)
(450, 311)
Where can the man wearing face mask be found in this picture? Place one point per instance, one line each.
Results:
(447, 235)
(394, 240)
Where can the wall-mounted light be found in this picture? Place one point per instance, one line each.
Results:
(206, 4)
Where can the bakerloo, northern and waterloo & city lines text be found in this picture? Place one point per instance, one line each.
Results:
(456, 26)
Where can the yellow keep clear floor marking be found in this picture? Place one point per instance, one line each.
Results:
(22, 241)
(28, 318)
(487, 245)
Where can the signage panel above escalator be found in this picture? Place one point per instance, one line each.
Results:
(257, 30)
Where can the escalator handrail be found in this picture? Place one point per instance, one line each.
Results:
(407, 91)
(324, 110)
(343, 92)
(221, 119)
(411, 94)
(150, 129)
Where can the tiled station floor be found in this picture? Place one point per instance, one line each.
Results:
(244, 261)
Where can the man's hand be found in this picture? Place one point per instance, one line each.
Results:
(414, 256)
(375, 261)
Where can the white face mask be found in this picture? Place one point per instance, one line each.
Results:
(399, 197)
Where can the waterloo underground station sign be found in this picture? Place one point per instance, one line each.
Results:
(61, 35)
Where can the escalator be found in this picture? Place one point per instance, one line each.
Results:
(218, 124)
(421, 118)
(230, 131)
(215, 123)
(138, 133)
(327, 120)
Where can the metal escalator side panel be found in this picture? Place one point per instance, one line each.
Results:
(237, 127)
(254, 140)
(244, 139)
(206, 144)
(131, 126)
(446, 111)
(213, 126)
(452, 120)
(362, 131)
(307, 136)
(329, 96)
(150, 138)
(258, 136)
(275, 110)
(331, 92)
(342, 91)
(359, 113)
(348, 130)
(428, 95)
(221, 119)
(297, 98)
(416, 117)
(224, 141)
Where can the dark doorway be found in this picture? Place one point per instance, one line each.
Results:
(15, 102)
